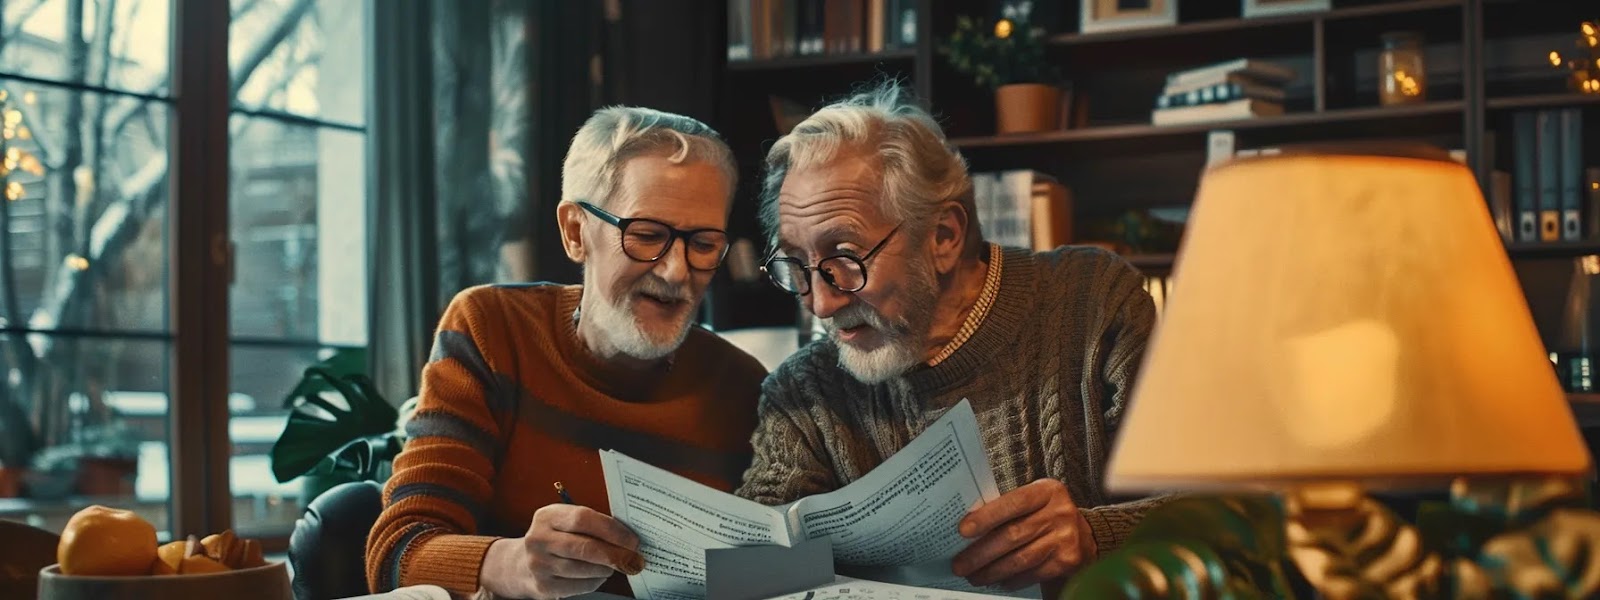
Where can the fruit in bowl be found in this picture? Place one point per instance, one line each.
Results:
(107, 553)
(106, 541)
(102, 541)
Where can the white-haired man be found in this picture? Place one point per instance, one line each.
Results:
(526, 382)
(875, 229)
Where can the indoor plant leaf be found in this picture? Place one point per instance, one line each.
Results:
(318, 427)
(344, 362)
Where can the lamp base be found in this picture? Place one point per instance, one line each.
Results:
(1349, 546)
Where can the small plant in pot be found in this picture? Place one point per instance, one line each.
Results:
(1008, 57)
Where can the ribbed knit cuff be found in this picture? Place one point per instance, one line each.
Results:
(1110, 527)
(449, 561)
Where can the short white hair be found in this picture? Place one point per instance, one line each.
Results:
(920, 169)
(614, 135)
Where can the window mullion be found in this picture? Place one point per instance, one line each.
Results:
(201, 254)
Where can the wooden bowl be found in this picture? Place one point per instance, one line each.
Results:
(269, 582)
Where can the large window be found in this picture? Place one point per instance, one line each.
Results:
(86, 341)
(298, 214)
(84, 337)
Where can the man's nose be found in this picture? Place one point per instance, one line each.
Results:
(673, 267)
(824, 298)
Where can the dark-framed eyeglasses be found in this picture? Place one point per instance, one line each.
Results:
(846, 273)
(647, 240)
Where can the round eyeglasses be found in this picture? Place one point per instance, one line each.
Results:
(647, 240)
(844, 272)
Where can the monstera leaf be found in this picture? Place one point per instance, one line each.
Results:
(344, 362)
(318, 427)
(1225, 547)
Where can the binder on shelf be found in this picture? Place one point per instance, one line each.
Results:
(1548, 159)
(1591, 178)
(1526, 178)
(1571, 176)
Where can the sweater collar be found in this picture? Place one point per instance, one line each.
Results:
(994, 335)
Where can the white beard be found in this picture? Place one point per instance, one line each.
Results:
(905, 338)
(624, 333)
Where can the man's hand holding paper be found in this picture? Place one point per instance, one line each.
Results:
(1033, 534)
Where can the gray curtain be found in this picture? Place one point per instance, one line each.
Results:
(402, 286)
(469, 130)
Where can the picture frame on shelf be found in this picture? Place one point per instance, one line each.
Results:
(1118, 15)
(1271, 8)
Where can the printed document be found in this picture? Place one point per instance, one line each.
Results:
(845, 588)
(897, 524)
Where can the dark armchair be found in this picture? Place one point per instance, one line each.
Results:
(328, 548)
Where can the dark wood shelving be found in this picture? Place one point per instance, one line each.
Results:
(1542, 101)
(1304, 120)
(821, 60)
(1585, 409)
(1151, 261)
(1552, 249)
(1217, 26)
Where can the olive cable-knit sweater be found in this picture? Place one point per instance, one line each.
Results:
(1049, 372)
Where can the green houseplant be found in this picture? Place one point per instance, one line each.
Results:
(1009, 58)
(330, 442)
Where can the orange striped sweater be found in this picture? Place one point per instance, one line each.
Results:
(511, 401)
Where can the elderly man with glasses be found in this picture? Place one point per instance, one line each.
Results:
(499, 487)
(875, 230)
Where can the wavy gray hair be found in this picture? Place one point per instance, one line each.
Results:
(614, 135)
(920, 169)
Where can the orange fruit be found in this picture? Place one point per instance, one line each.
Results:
(200, 563)
(169, 558)
(107, 542)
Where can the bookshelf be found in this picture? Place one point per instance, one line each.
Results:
(823, 60)
(1486, 62)
(1309, 121)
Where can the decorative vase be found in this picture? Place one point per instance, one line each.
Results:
(1027, 107)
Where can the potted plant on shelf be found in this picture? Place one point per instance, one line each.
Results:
(1009, 58)
(352, 437)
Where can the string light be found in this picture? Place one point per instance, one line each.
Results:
(77, 263)
(1585, 71)
(13, 158)
(1002, 28)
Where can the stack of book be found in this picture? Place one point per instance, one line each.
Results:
(1237, 89)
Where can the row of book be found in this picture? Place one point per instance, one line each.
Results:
(1023, 208)
(763, 29)
(1236, 89)
(1028, 209)
(1554, 198)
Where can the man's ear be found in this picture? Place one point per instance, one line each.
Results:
(569, 216)
(949, 236)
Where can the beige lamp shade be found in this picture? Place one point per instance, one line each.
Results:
(1342, 317)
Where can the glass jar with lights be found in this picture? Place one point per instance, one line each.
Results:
(1401, 70)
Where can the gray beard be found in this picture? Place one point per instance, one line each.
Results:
(905, 339)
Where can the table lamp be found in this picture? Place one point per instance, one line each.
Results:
(1342, 319)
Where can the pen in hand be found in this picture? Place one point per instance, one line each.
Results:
(561, 489)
